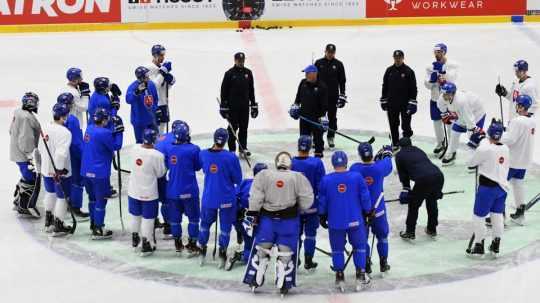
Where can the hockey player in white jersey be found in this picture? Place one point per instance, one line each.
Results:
(81, 95)
(57, 175)
(520, 140)
(160, 74)
(439, 72)
(464, 111)
(491, 159)
(525, 85)
(148, 165)
(276, 199)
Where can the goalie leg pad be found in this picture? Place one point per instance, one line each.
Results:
(285, 267)
(257, 265)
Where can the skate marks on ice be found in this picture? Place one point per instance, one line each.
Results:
(422, 263)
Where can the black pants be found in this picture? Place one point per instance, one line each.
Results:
(394, 121)
(429, 189)
(239, 119)
(332, 115)
(309, 129)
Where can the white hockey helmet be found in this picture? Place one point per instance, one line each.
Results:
(283, 160)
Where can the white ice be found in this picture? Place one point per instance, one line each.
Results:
(30, 272)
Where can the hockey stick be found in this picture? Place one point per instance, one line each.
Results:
(370, 141)
(471, 242)
(500, 104)
(116, 167)
(533, 202)
(242, 150)
(215, 236)
(323, 251)
(167, 101)
(60, 185)
(445, 193)
(445, 142)
(120, 191)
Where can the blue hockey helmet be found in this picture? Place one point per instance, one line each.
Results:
(258, 167)
(304, 143)
(339, 159)
(176, 123)
(60, 110)
(65, 98)
(150, 135)
(101, 114)
(141, 73)
(74, 73)
(310, 69)
(521, 65)
(30, 101)
(181, 133)
(158, 49)
(101, 84)
(495, 130)
(221, 136)
(524, 101)
(365, 151)
(441, 47)
(448, 88)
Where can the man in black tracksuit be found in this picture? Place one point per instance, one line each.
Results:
(399, 97)
(312, 97)
(238, 101)
(332, 73)
(413, 164)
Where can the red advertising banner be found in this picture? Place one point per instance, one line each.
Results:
(16, 12)
(433, 8)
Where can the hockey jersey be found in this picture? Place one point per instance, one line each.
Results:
(147, 165)
(466, 105)
(527, 87)
(344, 198)
(164, 141)
(98, 149)
(313, 169)
(143, 106)
(159, 82)
(492, 161)
(75, 149)
(242, 193)
(222, 173)
(451, 75)
(80, 103)
(183, 162)
(519, 138)
(98, 100)
(374, 174)
(24, 135)
(58, 141)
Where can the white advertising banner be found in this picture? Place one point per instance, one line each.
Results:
(236, 10)
(533, 5)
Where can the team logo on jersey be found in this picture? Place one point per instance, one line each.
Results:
(393, 4)
(280, 183)
(138, 162)
(161, 138)
(342, 188)
(173, 160)
(86, 138)
(148, 100)
(213, 168)
(501, 160)
(369, 180)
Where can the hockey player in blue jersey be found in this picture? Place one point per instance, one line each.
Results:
(344, 203)
(101, 98)
(242, 196)
(222, 173)
(99, 146)
(75, 149)
(313, 169)
(182, 160)
(143, 97)
(374, 170)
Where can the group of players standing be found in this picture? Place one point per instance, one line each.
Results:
(277, 206)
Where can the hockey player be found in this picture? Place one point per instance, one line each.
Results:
(101, 98)
(276, 199)
(182, 160)
(147, 167)
(56, 172)
(143, 98)
(414, 165)
(81, 95)
(344, 202)
(492, 161)
(332, 73)
(311, 102)
(524, 86)
(99, 146)
(439, 72)
(464, 111)
(222, 173)
(160, 74)
(242, 195)
(374, 170)
(24, 135)
(313, 169)
(238, 102)
(75, 151)
(520, 140)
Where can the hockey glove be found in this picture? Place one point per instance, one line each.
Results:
(384, 103)
(60, 173)
(159, 114)
(294, 111)
(166, 67)
(254, 110)
(224, 110)
(476, 138)
(323, 221)
(384, 152)
(241, 214)
(404, 196)
(438, 67)
(141, 88)
(501, 90)
(84, 88)
(250, 222)
(115, 102)
(370, 216)
(324, 123)
(118, 125)
(115, 90)
(433, 77)
(169, 79)
(341, 101)
(412, 107)
(448, 117)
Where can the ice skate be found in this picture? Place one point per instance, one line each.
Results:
(135, 240)
(431, 233)
(80, 215)
(477, 251)
(309, 265)
(202, 255)
(98, 233)
(232, 260)
(147, 248)
(494, 247)
(340, 281)
(362, 280)
(60, 229)
(178, 245)
(49, 222)
(439, 149)
(407, 236)
(385, 268)
(222, 255)
(519, 216)
(192, 248)
(167, 231)
(449, 160)
(331, 142)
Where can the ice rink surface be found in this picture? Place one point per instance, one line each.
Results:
(31, 272)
